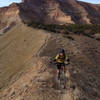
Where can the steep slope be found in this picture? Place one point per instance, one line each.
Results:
(76, 11)
(93, 12)
(17, 48)
(84, 68)
(63, 11)
(48, 11)
(35, 84)
(40, 81)
(8, 15)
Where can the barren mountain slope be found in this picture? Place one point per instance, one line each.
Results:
(17, 48)
(84, 68)
(40, 81)
(9, 15)
(63, 11)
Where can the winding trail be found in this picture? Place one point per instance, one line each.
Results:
(43, 46)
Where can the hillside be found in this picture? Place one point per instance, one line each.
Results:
(18, 48)
(31, 75)
(64, 11)
(31, 34)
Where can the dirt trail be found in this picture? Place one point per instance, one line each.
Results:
(67, 96)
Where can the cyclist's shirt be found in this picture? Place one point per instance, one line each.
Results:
(60, 59)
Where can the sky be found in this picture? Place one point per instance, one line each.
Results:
(91, 1)
(7, 2)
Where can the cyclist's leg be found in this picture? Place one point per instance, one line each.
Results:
(63, 76)
(63, 67)
(58, 70)
(58, 73)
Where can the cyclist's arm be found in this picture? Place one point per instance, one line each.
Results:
(56, 58)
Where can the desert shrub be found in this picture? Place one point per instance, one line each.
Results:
(69, 37)
(83, 29)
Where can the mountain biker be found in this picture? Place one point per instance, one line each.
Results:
(60, 61)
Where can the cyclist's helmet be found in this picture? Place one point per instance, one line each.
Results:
(62, 51)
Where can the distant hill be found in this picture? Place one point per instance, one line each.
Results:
(50, 11)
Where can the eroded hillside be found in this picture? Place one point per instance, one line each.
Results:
(38, 80)
(84, 53)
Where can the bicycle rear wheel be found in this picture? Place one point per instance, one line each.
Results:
(62, 80)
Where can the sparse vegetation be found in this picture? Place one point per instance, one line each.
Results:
(80, 29)
(69, 37)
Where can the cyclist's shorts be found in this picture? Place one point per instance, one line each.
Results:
(59, 65)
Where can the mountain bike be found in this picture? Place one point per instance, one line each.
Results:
(62, 79)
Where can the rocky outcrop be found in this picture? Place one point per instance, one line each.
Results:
(93, 12)
(65, 11)
(8, 16)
